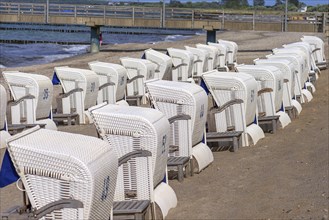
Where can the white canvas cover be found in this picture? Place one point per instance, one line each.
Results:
(3, 106)
(110, 72)
(56, 165)
(184, 58)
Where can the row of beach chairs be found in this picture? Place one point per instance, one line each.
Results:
(159, 115)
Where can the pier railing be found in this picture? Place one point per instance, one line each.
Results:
(129, 16)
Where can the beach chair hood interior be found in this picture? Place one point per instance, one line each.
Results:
(163, 62)
(110, 72)
(130, 128)
(174, 98)
(55, 166)
(38, 108)
(269, 77)
(225, 86)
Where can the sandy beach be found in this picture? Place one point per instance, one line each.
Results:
(284, 176)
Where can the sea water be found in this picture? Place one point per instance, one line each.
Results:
(17, 55)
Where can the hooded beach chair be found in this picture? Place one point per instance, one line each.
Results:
(178, 98)
(3, 124)
(200, 63)
(131, 128)
(223, 55)
(64, 175)
(225, 89)
(232, 51)
(270, 93)
(164, 63)
(308, 74)
(214, 55)
(306, 47)
(138, 71)
(112, 82)
(287, 67)
(80, 91)
(32, 94)
(183, 64)
(301, 92)
(318, 50)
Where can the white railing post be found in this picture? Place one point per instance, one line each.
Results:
(192, 19)
(133, 16)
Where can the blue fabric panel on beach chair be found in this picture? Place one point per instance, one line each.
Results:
(8, 174)
(55, 79)
(204, 86)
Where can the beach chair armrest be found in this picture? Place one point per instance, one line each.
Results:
(178, 118)
(173, 148)
(67, 94)
(316, 49)
(215, 110)
(286, 80)
(179, 65)
(138, 153)
(16, 102)
(197, 61)
(265, 90)
(53, 206)
(106, 85)
(135, 78)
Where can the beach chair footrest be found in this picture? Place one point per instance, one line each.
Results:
(269, 123)
(224, 137)
(68, 117)
(179, 163)
(130, 209)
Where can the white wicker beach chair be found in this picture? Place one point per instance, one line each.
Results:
(200, 63)
(214, 55)
(3, 124)
(183, 64)
(318, 50)
(176, 98)
(131, 128)
(308, 72)
(307, 48)
(80, 91)
(288, 69)
(223, 54)
(112, 81)
(138, 71)
(301, 75)
(66, 176)
(163, 62)
(232, 51)
(32, 94)
(270, 103)
(226, 87)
